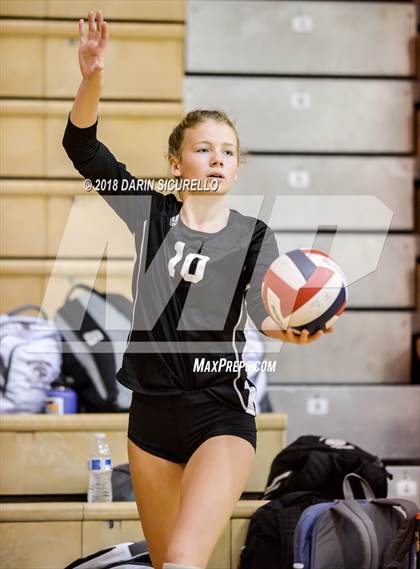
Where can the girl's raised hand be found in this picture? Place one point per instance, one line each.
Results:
(92, 44)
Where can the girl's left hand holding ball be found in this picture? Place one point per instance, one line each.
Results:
(273, 330)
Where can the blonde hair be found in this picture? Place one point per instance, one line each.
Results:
(190, 120)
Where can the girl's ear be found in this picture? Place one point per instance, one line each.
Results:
(174, 166)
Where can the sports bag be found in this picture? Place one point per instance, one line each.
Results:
(122, 556)
(94, 327)
(122, 487)
(355, 534)
(319, 464)
(30, 360)
(269, 540)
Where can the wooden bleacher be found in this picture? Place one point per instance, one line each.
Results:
(43, 458)
(140, 104)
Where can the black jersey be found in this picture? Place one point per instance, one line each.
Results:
(191, 289)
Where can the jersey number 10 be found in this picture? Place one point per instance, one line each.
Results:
(185, 269)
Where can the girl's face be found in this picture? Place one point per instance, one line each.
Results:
(209, 148)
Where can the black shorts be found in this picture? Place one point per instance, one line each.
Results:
(173, 427)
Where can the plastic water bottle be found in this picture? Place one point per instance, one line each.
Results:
(100, 471)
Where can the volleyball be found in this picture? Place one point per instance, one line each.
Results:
(304, 289)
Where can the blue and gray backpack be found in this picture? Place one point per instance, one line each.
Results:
(356, 534)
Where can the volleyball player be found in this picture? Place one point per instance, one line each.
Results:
(198, 272)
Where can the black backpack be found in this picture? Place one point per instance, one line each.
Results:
(91, 325)
(319, 464)
(269, 541)
(122, 486)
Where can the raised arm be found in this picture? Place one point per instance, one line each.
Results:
(91, 158)
(92, 62)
